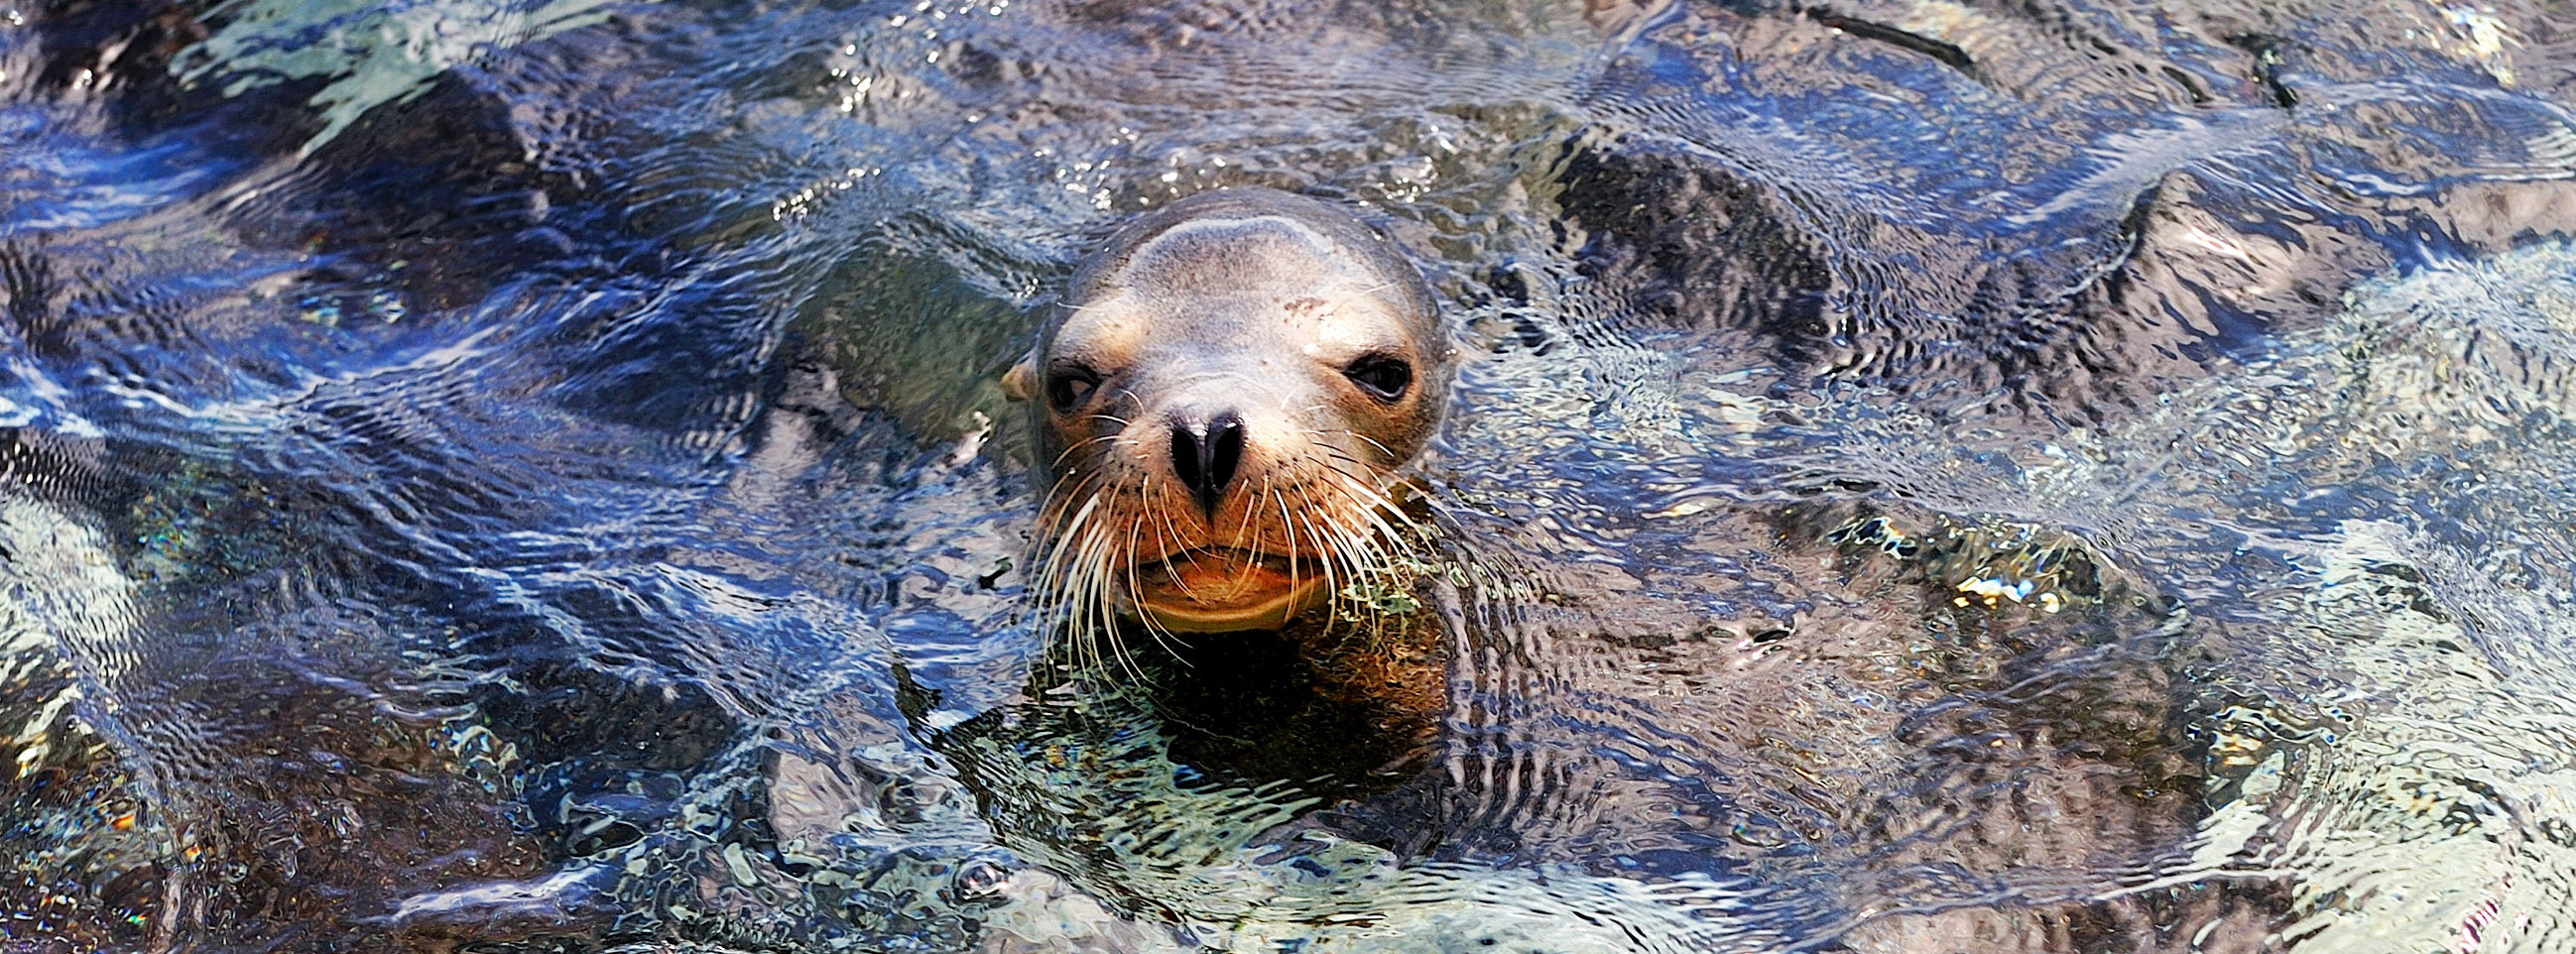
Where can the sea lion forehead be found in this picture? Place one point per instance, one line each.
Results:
(1247, 261)
(1234, 254)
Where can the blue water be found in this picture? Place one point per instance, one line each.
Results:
(533, 477)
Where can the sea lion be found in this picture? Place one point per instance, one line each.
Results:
(1222, 399)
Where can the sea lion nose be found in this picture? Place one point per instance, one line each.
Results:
(1204, 458)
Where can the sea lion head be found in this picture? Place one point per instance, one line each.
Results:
(1222, 398)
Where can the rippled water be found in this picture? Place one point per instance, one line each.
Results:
(1925, 476)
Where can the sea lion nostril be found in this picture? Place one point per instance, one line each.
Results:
(1205, 461)
(1225, 450)
(1185, 460)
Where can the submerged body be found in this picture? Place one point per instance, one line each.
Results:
(1222, 400)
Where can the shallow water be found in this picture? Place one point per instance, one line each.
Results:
(531, 477)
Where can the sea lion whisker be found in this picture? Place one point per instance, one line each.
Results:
(1325, 555)
(1057, 580)
(1287, 527)
(1070, 539)
(1354, 541)
(1093, 439)
(1091, 624)
(1339, 455)
(1089, 490)
(1118, 649)
(1090, 505)
(1380, 501)
(1369, 506)
(1052, 515)
(1104, 602)
(1373, 442)
(1085, 578)
(1243, 529)
(1306, 504)
(1154, 629)
(1057, 584)
(1340, 472)
(1332, 580)
(1364, 494)
(1438, 505)
(1363, 558)
(1374, 552)
(1169, 538)
(1189, 558)
(1355, 546)
(1334, 546)
(1078, 447)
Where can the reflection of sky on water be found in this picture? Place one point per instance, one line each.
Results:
(530, 474)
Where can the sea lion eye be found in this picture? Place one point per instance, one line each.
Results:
(1070, 386)
(1384, 376)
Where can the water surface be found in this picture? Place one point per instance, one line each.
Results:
(532, 477)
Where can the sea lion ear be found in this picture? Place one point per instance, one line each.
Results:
(1021, 382)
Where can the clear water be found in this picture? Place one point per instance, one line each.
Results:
(531, 477)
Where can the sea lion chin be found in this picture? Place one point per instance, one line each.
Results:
(1223, 398)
